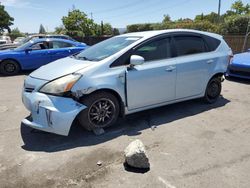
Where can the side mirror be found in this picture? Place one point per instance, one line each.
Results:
(28, 50)
(136, 60)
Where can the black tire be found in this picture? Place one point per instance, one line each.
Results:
(9, 67)
(213, 90)
(108, 112)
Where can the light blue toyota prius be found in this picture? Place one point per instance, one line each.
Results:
(123, 75)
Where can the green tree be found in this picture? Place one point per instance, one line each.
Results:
(166, 19)
(116, 31)
(212, 17)
(5, 20)
(236, 25)
(107, 29)
(42, 30)
(239, 8)
(140, 27)
(77, 23)
(60, 30)
(15, 33)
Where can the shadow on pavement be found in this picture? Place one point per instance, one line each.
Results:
(135, 170)
(26, 73)
(132, 125)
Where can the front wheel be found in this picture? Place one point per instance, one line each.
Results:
(213, 90)
(9, 67)
(103, 110)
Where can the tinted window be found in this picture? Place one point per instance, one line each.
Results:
(40, 46)
(59, 44)
(187, 45)
(156, 50)
(212, 43)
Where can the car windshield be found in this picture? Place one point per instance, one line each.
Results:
(23, 46)
(106, 48)
(25, 40)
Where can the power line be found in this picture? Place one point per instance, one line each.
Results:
(119, 7)
(136, 11)
(148, 10)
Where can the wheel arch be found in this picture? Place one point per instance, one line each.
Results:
(218, 74)
(113, 92)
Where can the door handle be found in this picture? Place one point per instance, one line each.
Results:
(170, 69)
(210, 61)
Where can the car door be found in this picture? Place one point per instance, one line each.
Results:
(60, 49)
(154, 81)
(36, 55)
(192, 63)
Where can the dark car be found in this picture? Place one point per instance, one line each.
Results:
(36, 53)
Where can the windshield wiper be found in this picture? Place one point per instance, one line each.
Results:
(83, 58)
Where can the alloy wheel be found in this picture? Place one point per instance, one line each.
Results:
(101, 112)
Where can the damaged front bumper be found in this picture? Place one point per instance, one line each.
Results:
(50, 113)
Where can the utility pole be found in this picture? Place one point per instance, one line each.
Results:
(219, 6)
(102, 28)
(91, 15)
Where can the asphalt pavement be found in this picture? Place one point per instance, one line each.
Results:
(189, 144)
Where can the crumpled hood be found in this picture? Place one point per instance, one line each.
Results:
(60, 68)
(242, 59)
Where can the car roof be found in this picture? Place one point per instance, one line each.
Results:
(148, 34)
(58, 35)
(36, 35)
(51, 39)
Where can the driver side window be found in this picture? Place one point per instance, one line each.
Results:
(40, 46)
(155, 50)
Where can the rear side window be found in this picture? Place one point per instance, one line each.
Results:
(212, 43)
(59, 44)
(155, 50)
(187, 45)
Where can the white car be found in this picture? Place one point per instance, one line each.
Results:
(18, 40)
(5, 40)
(123, 75)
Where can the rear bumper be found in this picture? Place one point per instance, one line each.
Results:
(50, 113)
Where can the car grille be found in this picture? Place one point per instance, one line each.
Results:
(240, 73)
(28, 89)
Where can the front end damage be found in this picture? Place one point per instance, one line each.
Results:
(50, 113)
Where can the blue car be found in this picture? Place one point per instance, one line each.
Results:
(37, 53)
(240, 66)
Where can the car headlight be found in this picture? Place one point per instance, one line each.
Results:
(61, 85)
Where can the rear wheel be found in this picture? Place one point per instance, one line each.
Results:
(103, 110)
(213, 90)
(9, 67)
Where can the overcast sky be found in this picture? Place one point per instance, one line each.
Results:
(29, 14)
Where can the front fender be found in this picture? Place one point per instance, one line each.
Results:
(114, 80)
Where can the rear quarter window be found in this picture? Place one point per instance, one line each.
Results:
(187, 45)
(212, 43)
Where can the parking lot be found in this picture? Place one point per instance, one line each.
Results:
(190, 144)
